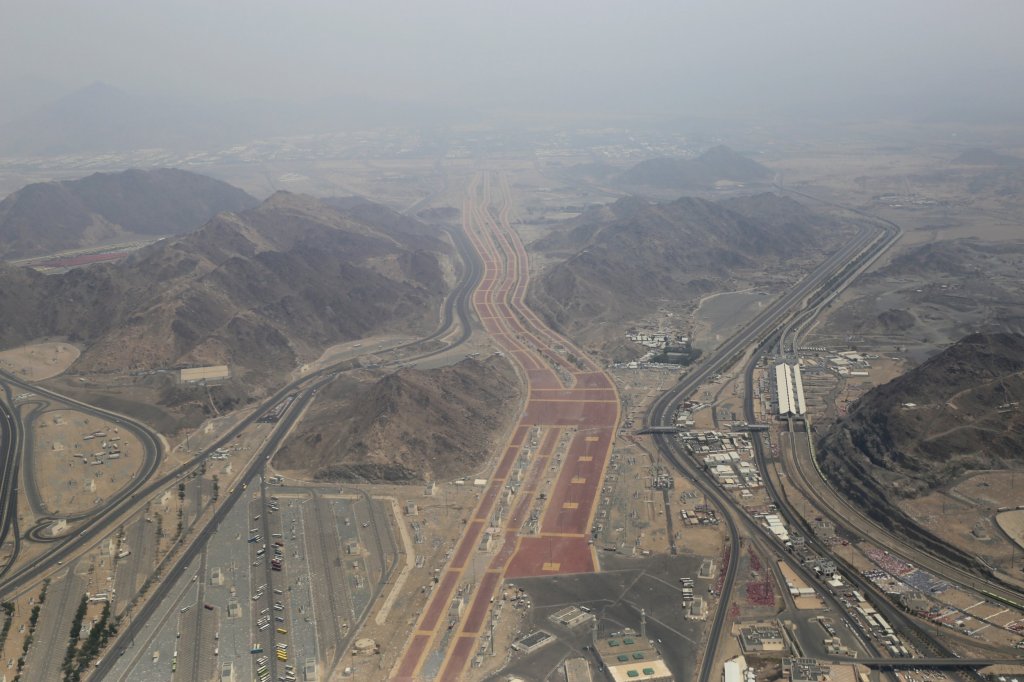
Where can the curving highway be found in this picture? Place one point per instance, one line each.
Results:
(455, 311)
(831, 275)
(10, 447)
(574, 399)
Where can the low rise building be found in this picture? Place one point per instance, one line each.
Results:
(760, 638)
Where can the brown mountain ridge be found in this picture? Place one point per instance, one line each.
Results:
(406, 427)
(956, 412)
(618, 262)
(105, 207)
(259, 290)
(714, 165)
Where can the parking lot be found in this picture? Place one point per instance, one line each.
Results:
(287, 566)
(152, 654)
(615, 598)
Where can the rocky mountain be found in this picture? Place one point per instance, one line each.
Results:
(957, 411)
(929, 295)
(410, 426)
(104, 207)
(259, 290)
(617, 262)
(715, 165)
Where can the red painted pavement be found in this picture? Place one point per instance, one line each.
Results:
(413, 654)
(568, 413)
(573, 555)
(478, 610)
(593, 380)
(468, 544)
(458, 657)
(439, 600)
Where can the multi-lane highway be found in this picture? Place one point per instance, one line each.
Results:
(572, 408)
(10, 446)
(455, 311)
(831, 275)
(927, 551)
(19, 454)
(778, 326)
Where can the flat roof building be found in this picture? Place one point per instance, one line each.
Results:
(533, 641)
(211, 373)
(734, 669)
(789, 386)
(756, 638)
(578, 670)
(646, 671)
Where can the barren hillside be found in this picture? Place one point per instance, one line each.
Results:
(716, 164)
(406, 427)
(619, 262)
(104, 207)
(259, 290)
(959, 410)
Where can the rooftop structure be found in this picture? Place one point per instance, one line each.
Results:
(577, 670)
(755, 638)
(533, 641)
(789, 386)
(646, 671)
(631, 656)
(571, 616)
(734, 669)
(211, 373)
(812, 670)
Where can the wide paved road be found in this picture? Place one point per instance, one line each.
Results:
(572, 409)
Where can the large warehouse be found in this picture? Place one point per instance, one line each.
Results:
(790, 389)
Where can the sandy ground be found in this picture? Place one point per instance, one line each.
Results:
(965, 515)
(1012, 523)
(351, 349)
(63, 460)
(39, 361)
(433, 530)
(792, 579)
(718, 316)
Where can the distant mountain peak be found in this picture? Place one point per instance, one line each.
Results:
(93, 96)
(99, 208)
(719, 163)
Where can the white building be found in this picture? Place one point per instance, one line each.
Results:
(789, 386)
(734, 670)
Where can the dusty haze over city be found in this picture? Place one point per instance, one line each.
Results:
(518, 341)
(459, 61)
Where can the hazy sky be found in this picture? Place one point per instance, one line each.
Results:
(714, 56)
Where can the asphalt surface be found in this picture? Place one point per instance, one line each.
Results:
(10, 445)
(903, 624)
(81, 535)
(456, 307)
(822, 281)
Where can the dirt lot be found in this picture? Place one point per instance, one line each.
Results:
(1012, 523)
(432, 531)
(38, 361)
(964, 515)
(66, 449)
